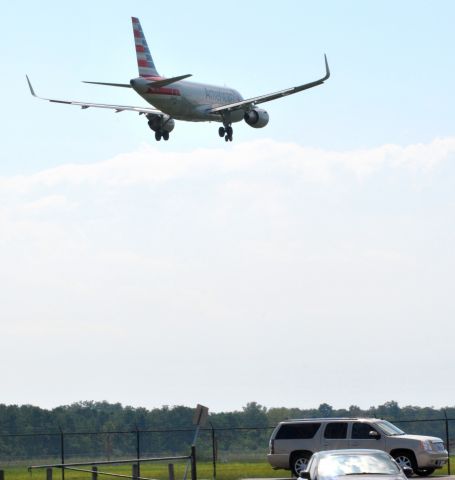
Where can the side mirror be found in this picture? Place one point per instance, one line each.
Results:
(305, 474)
(408, 471)
(374, 434)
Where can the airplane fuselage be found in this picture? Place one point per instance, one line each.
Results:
(188, 101)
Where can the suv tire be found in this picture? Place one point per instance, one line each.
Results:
(405, 458)
(424, 472)
(299, 462)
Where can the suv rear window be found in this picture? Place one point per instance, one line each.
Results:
(297, 430)
(336, 430)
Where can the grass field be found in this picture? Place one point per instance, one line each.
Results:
(224, 471)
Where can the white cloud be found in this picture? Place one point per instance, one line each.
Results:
(221, 251)
(150, 165)
(49, 202)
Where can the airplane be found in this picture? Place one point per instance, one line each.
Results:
(175, 98)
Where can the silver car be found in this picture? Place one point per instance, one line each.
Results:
(369, 464)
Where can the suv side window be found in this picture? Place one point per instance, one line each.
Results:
(291, 431)
(336, 430)
(362, 430)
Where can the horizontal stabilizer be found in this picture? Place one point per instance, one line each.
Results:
(168, 81)
(125, 85)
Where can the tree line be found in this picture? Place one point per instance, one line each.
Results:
(242, 433)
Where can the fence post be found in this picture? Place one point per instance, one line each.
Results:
(135, 471)
(214, 452)
(48, 473)
(193, 463)
(62, 450)
(2, 475)
(138, 451)
(94, 472)
(447, 441)
(170, 469)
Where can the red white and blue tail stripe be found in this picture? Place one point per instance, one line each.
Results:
(144, 59)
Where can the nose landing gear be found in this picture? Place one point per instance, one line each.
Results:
(226, 132)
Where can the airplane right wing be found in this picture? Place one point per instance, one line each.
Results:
(250, 102)
(117, 108)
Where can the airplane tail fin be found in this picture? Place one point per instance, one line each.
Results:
(144, 59)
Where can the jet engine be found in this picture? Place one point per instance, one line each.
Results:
(160, 122)
(256, 118)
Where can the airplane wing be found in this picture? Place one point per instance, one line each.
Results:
(117, 108)
(249, 102)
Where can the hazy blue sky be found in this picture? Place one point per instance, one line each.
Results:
(310, 261)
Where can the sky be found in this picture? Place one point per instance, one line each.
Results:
(307, 262)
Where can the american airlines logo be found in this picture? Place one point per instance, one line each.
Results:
(219, 96)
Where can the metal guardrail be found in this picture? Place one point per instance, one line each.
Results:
(134, 461)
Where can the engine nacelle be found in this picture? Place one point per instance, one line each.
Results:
(160, 122)
(256, 118)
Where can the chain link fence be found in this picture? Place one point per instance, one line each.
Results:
(221, 445)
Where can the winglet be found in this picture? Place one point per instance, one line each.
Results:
(327, 69)
(30, 86)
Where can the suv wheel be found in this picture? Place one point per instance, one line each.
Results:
(299, 462)
(405, 459)
(424, 472)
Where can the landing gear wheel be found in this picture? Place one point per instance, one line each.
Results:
(229, 133)
(158, 136)
(299, 463)
(226, 132)
(424, 472)
(165, 136)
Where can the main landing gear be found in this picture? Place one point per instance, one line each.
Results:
(161, 125)
(161, 134)
(226, 132)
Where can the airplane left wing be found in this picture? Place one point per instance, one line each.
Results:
(117, 108)
(245, 104)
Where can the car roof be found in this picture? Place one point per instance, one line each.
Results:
(355, 451)
(330, 419)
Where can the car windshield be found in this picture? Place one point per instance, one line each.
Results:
(355, 464)
(388, 428)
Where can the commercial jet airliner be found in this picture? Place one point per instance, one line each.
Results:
(177, 99)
